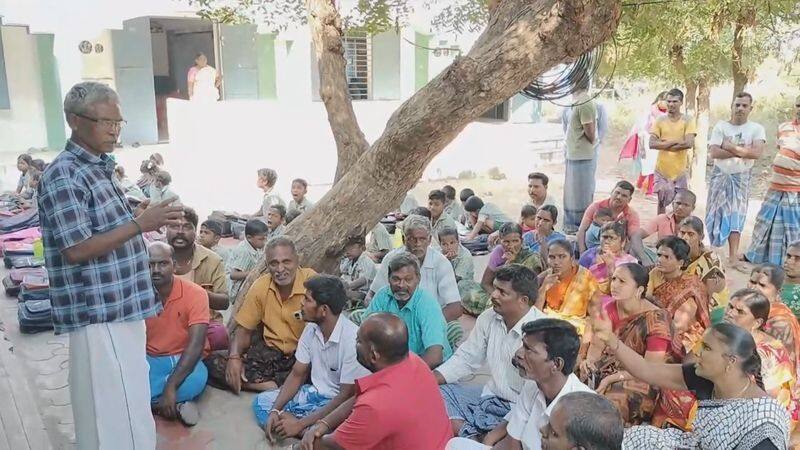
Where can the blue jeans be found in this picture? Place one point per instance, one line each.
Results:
(161, 367)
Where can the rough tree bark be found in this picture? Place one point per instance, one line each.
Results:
(326, 33)
(700, 162)
(523, 39)
(678, 62)
(739, 71)
(691, 96)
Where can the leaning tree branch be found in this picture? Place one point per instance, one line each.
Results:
(326, 33)
(524, 38)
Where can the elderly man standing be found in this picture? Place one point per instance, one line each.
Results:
(436, 273)
(269, 325)
(100, 283)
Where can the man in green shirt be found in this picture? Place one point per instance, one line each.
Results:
(581, 135)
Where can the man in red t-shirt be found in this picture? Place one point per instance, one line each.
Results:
(176, 339)
(398, 407)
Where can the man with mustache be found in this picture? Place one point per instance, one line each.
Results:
(546, 361)
(395, 408)
(176, 340)
(197, 264)
(734, 145)
(475, 410)
(419, 310)
(268, 325)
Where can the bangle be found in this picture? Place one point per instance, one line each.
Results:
(324, 422)
(234, 357)
(138, 227)
(273, 410)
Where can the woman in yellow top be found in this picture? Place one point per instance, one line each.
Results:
(566, 288)
(705, 264)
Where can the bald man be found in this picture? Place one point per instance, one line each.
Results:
(176, 340)
(395, 408)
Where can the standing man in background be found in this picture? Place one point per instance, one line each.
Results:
(581, 136)
(734, 145)
(98, 266)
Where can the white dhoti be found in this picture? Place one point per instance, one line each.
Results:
(460, 443)
(110, 387)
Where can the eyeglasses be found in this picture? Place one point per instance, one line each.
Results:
(107, 123)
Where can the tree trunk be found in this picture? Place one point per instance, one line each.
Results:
(700, 160)
(326, 33)
(739, 71)
(691, 96)
(523, 39)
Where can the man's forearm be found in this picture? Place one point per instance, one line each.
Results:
(452, 311)
(241, 341)
(237, 275)
(341, 397)
(433, 356)
(101, 244)
(288, 390)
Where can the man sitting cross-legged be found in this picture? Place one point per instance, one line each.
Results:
(258, 359)
(395, 408)
(327, 353)
(437, 276)
(546, 361)
(406, 298)
(496, 337)
(176, 340)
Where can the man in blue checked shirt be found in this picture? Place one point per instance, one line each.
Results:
(100, 283)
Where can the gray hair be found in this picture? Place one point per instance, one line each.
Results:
(594, 421)
(416, 222)
(83, 95)
(403, 259)
(280, 241)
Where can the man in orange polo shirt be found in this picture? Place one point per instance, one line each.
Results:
(261, 361)
(176, 340)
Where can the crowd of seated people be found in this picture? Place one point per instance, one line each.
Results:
(587, 340)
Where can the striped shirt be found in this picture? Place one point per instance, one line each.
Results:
(242, 257)
(786, 166)
(79, 199)
(491, 344)
(362, 267)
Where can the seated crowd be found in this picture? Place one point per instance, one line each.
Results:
(607, 339)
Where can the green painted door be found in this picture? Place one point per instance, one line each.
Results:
(239, 61)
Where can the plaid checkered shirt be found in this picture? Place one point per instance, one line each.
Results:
(78, 198)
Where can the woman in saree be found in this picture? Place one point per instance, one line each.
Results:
(645, 329)
(604, 259)
(734, 411)
(566, 288)
(781, 324)
(203, 81)
(706, 265)
(474, 296)
(749, 309)
(684, 297)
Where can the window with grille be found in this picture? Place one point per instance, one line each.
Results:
(357, 53)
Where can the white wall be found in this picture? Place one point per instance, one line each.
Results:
(23, 126)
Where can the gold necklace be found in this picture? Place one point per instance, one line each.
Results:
(714, 392)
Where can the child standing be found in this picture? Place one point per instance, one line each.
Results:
(357, 271)
(245, 256)
(299, 202)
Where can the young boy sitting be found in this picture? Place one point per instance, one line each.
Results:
(160, 190)
(245, 256)
(463, 196)
(129, 188)
(276, 215)
(299, 202)
(209, 237)
(31, 191)
(458, 255)
(357, 270)
(527, 218)
(602, 217)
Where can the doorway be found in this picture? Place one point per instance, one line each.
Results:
(175, 45)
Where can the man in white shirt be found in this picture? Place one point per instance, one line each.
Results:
(546, 361)
(537, 190)
(326, 350)
(493, 342)
(734, 145)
